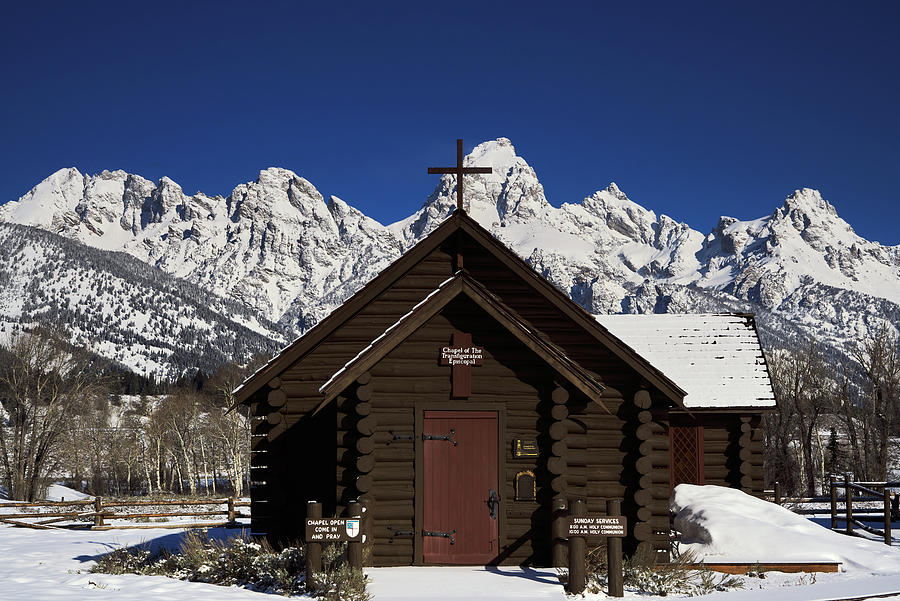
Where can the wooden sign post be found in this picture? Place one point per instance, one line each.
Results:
(615, 577)
(313, 549)
(613, 527)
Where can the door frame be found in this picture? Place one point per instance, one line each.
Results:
(420, 408)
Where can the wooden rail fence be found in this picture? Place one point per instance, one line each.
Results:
(94, 513)
(890, 506)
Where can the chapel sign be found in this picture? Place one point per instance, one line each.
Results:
(594, 526)
(332, 529)
(461, 355)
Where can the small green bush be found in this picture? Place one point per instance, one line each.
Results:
(642, 574)
(240, 562)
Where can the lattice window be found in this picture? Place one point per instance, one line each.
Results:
(686, 444)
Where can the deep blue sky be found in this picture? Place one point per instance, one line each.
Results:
(695, 109)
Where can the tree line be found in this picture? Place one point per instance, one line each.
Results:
(62, 418)
(834, 415)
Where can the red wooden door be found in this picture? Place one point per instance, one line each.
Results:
(460, 476)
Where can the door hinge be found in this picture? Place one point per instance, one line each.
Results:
(447, 437)
(441, 534)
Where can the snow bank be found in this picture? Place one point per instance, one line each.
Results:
(726, 525)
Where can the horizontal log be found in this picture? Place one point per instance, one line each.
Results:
(644, 514)
(364, 483)
(658, 522)
(644, 417)
(365, 445)
(559, 412)
(560, 396)
(393, 472)
(556, 465)
(559, 448)
(559, 484)
(395, 452)
(606, 490)
(393, 510)
(385, 492)
(643, 497)
(642, 531)
(365, 464)
(642, 399)
(276, 398)
(367, 425)
(525, 422)
(644, 465)
(275, 418)
(718, 434)
(362, 408)
(746, 468)
(559, 430)
(644, 432)
(364, 393)
(745, 454)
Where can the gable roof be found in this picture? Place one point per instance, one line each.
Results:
(462, 284)
(458, 221)
(716, 358)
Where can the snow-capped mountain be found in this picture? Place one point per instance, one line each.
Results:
(121, 308)
(278, 248)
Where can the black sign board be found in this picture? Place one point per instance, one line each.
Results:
(525, 447)
(593, 526)
(333, 529)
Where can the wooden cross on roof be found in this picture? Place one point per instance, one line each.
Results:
(459, 170)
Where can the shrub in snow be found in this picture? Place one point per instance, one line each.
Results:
(240, 562)
(338, 581)
(643, 575)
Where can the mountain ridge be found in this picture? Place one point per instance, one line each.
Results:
(280, 248)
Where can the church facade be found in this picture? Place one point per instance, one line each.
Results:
(465, 400)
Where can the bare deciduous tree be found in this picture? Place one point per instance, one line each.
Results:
(43, 384)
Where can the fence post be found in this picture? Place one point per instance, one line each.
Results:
(777, 493)
(887, 516)
(848, 496)
(614, 577)
(558, 533)
(230, 509)
(354, 548)
(833, 504)
(313, 550)
(576, 552)
(98, 509)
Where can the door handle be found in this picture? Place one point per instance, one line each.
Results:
(493, 503)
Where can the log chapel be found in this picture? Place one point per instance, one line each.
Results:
(464, 399)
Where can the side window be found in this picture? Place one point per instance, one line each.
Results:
(686, 448)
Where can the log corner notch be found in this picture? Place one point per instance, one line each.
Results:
(275, 400)
(356, 440)
(749, 443)
(648, 456)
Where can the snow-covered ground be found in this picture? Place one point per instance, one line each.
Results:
(722, 524)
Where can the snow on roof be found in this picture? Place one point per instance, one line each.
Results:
(716, 358)
(346, 365)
